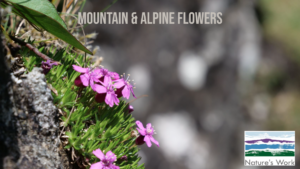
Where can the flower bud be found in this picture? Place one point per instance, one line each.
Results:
(47, 66)
(123, 158)
(78, 82)
(140, 140)
(100, 97)
(130, 109)
(119, 92)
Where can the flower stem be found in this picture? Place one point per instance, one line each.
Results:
(32, 48)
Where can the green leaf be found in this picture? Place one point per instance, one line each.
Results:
(43, 6)
(43, 14)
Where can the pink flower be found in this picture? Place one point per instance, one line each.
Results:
(106, 160)
(108, 75)
(106, 93)
(47, 66)
(124, 87)
(87, 77)
(114, 75)
(147, 133)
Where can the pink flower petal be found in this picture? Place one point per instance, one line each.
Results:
(115, 99)
(55, 63)
(148, 126)
(109, 100)
(110, 156)
(107, 80)
(97, 72)
(131, 89)
(92, 83)
(114, 75)
(140, 125)
(119, 83)
(96, 75)
(99, 88)
(80, 69)
(147, 140)
(116, 167)
(154, 141)
(104, 71)
(111, 166)
(126, 92)
(84, 79)
(98, 153)
(142, 132)
(96, 80)
(96, 166)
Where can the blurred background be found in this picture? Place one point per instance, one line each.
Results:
(207, 84)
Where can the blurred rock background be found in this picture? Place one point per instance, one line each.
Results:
(207, 84)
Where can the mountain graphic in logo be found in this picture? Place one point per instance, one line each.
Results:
(270, 143)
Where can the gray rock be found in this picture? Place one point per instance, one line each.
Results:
(36, 125)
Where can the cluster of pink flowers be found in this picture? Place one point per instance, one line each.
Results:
(107, 161)
(108, 85)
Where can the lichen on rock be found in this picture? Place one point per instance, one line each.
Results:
(37, 123)
(41, 100)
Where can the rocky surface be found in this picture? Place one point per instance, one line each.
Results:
(36, 124)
